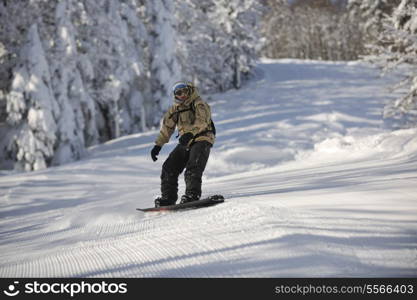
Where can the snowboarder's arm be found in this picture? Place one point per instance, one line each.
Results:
(167, 129)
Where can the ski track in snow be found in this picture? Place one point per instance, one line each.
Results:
(315, 186)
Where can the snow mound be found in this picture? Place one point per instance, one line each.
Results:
(360, 146)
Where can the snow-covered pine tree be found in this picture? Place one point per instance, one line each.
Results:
(397, 47)
(241, 22)
(31, 108)
(15, 22)
(164, 67)
(76, 123)
(218, 41)
(196, 43)
(113, 65)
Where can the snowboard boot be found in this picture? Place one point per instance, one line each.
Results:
(189, 198)
(160, 201)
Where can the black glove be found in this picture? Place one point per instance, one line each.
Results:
(155, 151)
(186, 138)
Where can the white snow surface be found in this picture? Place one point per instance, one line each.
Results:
(316, 185)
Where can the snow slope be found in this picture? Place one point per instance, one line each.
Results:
(317, 185)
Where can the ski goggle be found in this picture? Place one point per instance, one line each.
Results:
(181, 91)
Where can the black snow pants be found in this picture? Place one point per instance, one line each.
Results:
(194, 161)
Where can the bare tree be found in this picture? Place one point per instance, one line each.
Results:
(317, 29)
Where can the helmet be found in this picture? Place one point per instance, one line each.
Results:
(182, 87)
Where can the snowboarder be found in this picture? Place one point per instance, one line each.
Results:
(196, 134)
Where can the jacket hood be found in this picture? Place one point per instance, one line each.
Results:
(194, 95)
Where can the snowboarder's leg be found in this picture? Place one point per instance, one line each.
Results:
(171, 169)
(199, 154)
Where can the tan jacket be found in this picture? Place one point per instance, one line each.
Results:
(188, 121)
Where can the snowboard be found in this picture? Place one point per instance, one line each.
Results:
(205, 202)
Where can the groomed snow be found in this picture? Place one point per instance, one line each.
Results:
(316, 185)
